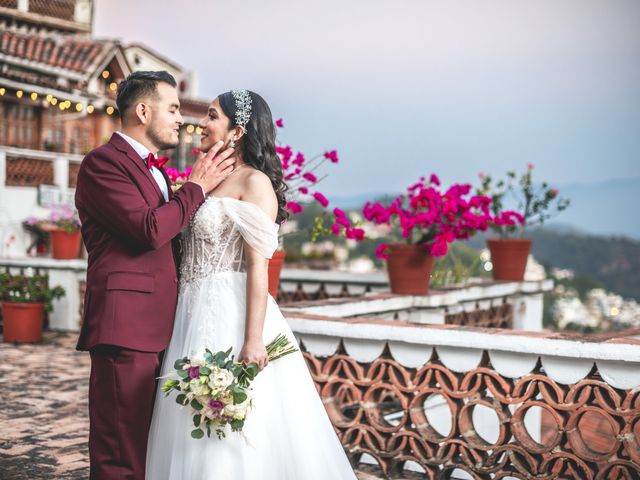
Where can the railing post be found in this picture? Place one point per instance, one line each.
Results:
(23, 5)
(61, 173)
(3, 175)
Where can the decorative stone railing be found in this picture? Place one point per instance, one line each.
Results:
(297, 285)
(483, 304)
(443, 401)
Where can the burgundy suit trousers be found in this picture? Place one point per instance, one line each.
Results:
(121, 395)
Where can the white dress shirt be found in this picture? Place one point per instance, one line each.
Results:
(144, 153)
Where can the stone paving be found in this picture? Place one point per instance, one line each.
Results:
(44, 425)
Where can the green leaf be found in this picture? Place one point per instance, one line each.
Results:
(178, 364)
(238, 396)
(252, 370)
(169, 385)
(182, 374)
(181, 399)
(196, 420)
(197, 433)
(205, 371)
(236, 425)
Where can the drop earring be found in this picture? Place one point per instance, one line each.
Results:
(232, 144)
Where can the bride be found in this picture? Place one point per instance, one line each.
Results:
(223, 302)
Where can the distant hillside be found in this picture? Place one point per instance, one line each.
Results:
(614, 261)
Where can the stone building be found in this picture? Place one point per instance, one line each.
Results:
(57, 102)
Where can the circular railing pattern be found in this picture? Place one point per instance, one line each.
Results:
(382, 409)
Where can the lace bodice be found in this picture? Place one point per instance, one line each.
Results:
(213, 241)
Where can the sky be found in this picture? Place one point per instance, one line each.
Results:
(406, 88)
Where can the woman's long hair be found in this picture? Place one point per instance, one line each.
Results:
(258, 144)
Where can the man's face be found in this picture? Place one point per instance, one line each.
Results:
(164, 127)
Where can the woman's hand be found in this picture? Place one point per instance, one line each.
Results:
(254, 351)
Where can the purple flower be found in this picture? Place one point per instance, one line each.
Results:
(216, 406)
(194, 372)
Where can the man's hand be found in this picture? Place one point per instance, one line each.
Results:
(212, 168)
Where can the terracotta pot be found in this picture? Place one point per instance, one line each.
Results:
(22, 322)
(409, 268)
(275, 267)
(509, 257)
(65, 246)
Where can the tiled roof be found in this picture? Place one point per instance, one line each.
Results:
(75, 53)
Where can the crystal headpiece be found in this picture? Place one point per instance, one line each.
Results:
(243, 107)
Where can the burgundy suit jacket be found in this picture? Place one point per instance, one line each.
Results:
(128, 228)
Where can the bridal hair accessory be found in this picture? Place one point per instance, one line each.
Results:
(243, 107)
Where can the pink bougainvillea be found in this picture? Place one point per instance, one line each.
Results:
(432, 217)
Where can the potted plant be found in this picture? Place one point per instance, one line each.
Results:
(535, 204)
(24, 300)
(63, 227)
(424, 222)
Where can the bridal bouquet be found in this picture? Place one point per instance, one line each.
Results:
(217, 388)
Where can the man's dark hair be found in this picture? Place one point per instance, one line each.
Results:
(139, 85)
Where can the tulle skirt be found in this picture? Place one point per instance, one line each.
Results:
(287, 435)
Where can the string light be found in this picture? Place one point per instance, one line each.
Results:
(2, 92)
(105, 74)
(54, 101)
(113, 86)
(34, 96)
(67, 104)
(90, 109)
(190, 128)
(198, 130)
(79, 107)
(110, 110)
(62, 106)
(49, 98)
(19, 93)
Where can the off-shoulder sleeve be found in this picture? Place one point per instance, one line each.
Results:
(255, 226)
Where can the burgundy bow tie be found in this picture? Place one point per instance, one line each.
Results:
(152, 161)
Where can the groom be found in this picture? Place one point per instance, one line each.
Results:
(129, 219)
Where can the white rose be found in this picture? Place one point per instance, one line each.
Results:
(198, 389)
(220, 379)
(239, 411)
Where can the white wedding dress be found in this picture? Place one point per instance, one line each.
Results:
(288, 433)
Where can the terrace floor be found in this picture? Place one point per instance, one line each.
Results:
(44, 423)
